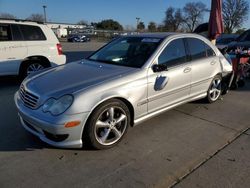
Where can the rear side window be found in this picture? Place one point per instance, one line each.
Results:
(199, 49)
(5, 33)
(210, 52)
(174, 54)
(32, 33)
(16, 33)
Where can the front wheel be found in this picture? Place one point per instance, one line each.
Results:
(108, 124)
(215, 89)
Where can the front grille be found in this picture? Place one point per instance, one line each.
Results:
(30, 100)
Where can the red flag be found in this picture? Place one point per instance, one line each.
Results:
(215, 27)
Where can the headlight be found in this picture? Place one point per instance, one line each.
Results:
(58, 106)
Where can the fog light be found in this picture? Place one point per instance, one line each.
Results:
(72, 124)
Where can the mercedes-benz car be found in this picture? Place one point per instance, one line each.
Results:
(126, 82)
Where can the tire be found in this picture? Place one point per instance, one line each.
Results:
(215, 89)
(30, 67)
(104, 130)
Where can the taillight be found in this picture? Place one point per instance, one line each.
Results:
(59, 49)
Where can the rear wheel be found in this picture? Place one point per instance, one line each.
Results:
(215, 89)
(108, 124)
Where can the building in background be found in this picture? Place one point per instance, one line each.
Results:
(63, 30)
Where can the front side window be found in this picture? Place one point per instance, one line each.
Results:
(174, 54)
(32, 33)
(5, 33)
(127, 51)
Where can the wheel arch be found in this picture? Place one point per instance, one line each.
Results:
(45, 61)
(124, 100)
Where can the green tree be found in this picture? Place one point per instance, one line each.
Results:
(141, 26)
(152, 27)
(109, 25)
(235, 13)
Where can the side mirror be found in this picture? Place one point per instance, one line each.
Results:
(159, 68)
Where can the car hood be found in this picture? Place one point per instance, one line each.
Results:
(72, 77)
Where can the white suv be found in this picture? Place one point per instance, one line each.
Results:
(27, 47)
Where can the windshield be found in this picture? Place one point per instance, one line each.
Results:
(244, 36)
(127, 51)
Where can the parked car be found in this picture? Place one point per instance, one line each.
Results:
(225, 39)
(27, 47)
(78, 38)
(130, 80)
(242, 41)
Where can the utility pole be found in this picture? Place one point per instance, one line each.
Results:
(44, 12)
(137, 22)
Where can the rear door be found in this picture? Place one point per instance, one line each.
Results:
(36, 40)
(204, 63)
(12, 49)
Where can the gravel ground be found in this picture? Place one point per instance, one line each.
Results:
(77, 51)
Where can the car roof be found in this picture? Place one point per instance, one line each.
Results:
(20, 21)
(151, 35)
(163, 35)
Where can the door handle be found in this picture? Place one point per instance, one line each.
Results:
(11, 58)
(187, 70)
(213, 62)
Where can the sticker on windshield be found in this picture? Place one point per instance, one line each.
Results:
(154, 40)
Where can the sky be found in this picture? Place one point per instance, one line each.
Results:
(72, 11)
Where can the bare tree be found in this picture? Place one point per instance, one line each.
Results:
(36, 17)
(7, 16)
(173, 19)
(235, 13)
(152, 27)
(193, 14)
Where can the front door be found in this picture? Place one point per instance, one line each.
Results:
(172, 86)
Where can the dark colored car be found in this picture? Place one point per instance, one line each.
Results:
(78, 38)
(226, 39)
(242, 41)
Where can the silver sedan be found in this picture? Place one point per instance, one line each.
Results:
(131, 79)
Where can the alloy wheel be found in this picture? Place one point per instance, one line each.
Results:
(110, 125)
(215, 89)
(34, 67)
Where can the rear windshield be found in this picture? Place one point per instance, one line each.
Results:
(127, 51)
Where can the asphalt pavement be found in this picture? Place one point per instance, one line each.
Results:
(194, 145)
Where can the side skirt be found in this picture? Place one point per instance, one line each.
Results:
(149, 116)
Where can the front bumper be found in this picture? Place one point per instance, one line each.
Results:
(51, 129)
